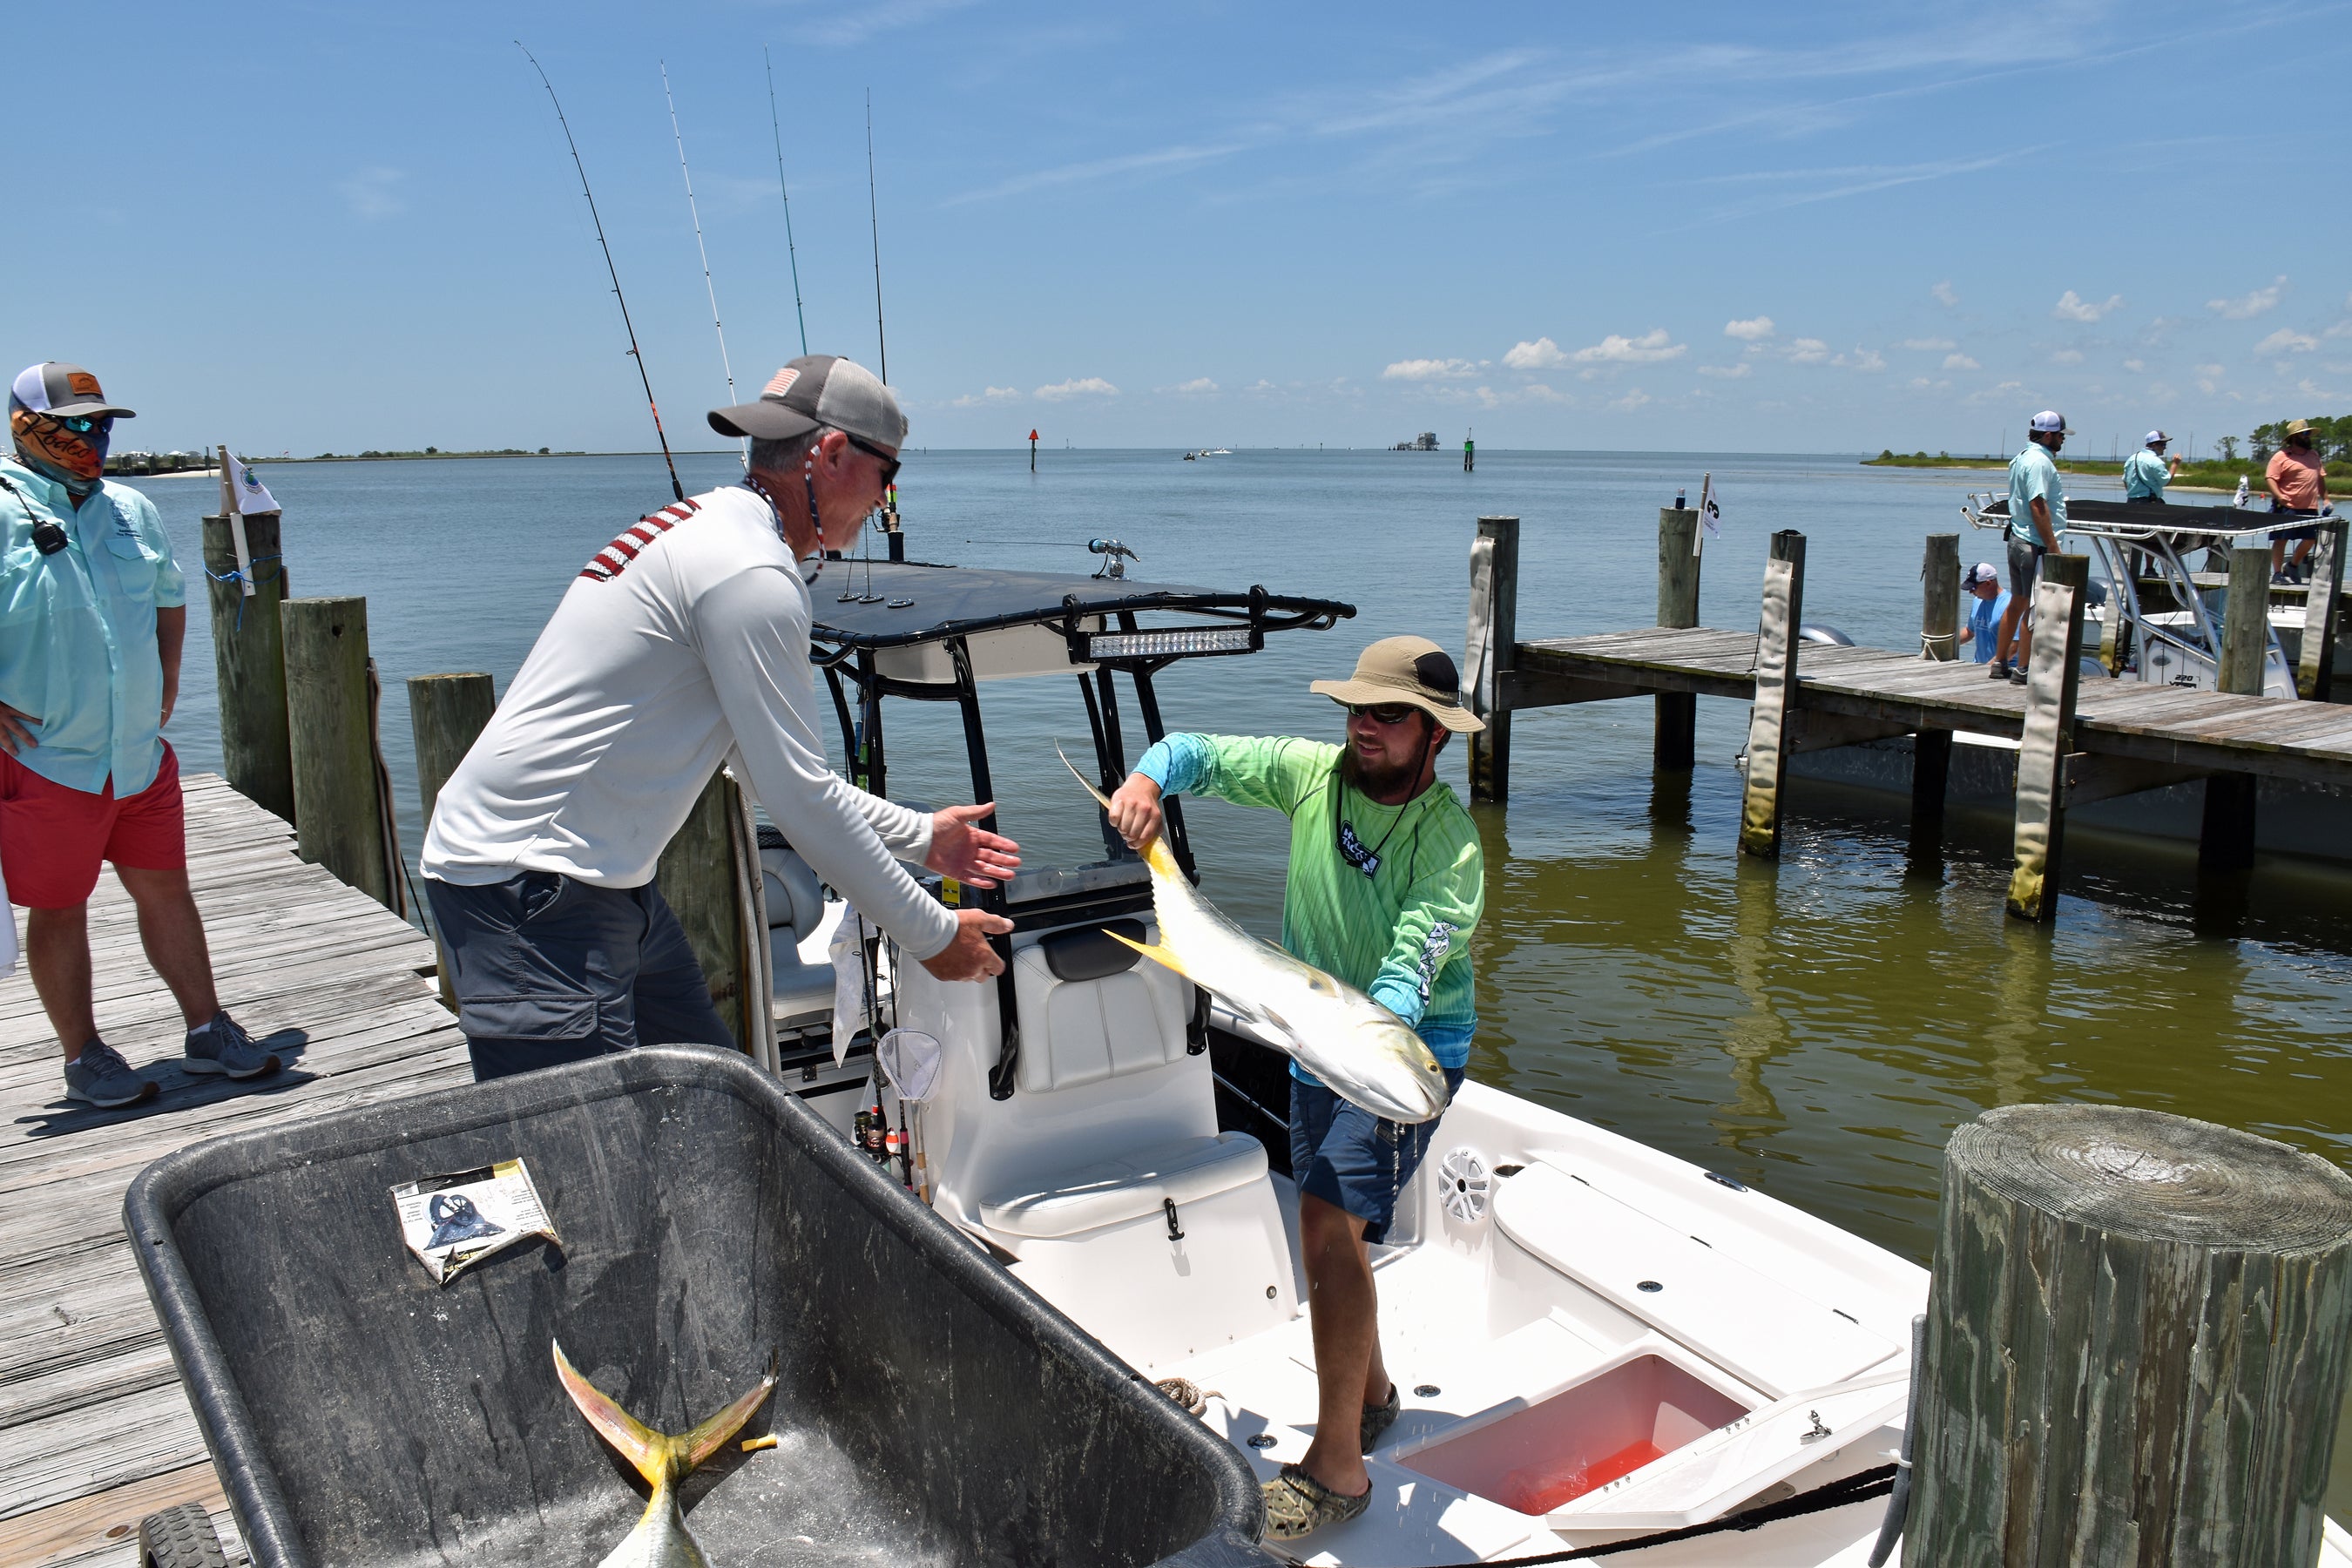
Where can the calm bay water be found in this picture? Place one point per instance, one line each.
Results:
(1815, 1026)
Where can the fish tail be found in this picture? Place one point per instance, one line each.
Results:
(1156, 952)
(707, 1438)
(658, 1457)
(1156, 853)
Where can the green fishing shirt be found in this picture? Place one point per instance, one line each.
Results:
(1383, 897)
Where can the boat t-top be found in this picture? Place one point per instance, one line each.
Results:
(1594, 1341)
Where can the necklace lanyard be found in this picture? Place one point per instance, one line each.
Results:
(1351, 848)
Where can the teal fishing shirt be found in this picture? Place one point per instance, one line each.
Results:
(77, 646)
(1401, 934)
(2033, 476)
(2144, 476)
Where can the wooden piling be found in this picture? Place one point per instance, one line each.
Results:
(338, 816)
(1493, 652)
(2052, 678)
(2139, 1329)
(698, 878)
(2323, 601)
(1940, 602)
(445, 712)
(1768, 726)
(249, 662)
(1674, 742)
(2225, 841)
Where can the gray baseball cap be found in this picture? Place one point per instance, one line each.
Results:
(64, 391)
(818, 389)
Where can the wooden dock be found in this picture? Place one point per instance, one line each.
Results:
(2082, 738)
(94, 1430)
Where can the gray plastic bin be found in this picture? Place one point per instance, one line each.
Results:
(930, 1409)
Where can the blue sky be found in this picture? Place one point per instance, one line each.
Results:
(1698, 228)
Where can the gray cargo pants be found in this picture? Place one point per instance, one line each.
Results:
(550, 969)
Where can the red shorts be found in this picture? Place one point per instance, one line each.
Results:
(52, 837)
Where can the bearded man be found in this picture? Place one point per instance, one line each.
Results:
(93, 612)
(1387, 880)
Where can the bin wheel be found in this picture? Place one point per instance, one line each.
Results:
(180, 1537)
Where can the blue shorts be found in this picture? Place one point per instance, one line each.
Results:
(1355, 1161)
(549, 970)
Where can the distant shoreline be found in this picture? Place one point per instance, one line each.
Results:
(2218, 477)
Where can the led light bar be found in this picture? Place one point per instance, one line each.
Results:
(1174, 643)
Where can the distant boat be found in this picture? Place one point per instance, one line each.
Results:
(1220, 452)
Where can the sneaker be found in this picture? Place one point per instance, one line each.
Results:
(2017, 675)
(1378, 1418)
(224, 1047)
(100, 1076)
(1998, 671)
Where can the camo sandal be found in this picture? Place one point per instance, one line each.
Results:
(1378, 1418)
(1298, 1504)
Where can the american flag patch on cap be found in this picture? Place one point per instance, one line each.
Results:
(783, 383)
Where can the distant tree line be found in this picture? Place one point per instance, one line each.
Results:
(2331, 436)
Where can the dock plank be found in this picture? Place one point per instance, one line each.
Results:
(95, 1431)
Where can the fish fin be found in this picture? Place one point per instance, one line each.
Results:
(707, 1438)
(1156, 853)
(1155, 952)
(643, 1446)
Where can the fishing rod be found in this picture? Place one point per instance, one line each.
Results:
(790, 250)
(874, 217)
(695, 213)
(676, 489)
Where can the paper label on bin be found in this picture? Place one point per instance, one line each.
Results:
(452, 1221)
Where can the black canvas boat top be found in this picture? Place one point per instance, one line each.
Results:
(912, 602)
(2221, 521)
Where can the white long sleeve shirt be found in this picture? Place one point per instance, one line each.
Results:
(684, 640)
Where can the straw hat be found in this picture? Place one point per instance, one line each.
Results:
(1413, 670)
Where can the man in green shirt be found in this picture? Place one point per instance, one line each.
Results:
(1387, 880)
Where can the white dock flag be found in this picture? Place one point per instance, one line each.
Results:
(1711, 515)
(252, 496)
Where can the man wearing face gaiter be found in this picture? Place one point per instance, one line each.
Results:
(93, 615)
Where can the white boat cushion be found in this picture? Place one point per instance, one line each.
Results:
(1125, 1186)
(794, 897)
(1758, 1330)
(799, 987)
(1076, 1032)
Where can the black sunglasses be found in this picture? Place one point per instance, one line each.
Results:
(889, 464)
(1382, 713)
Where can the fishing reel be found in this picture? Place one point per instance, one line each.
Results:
(1115, 558)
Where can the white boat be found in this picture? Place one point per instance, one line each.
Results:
(1594, 1341)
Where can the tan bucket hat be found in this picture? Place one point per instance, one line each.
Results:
(1413, 670)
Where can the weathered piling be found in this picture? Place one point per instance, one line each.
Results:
(249, 660)
(445, 712)
(1673, 744)
(2139, 1329)
(698, 878)
(2052, 680)
(1939, 624)
(2225, 841)
(337, 812)
(2323, 601)
(1493, 652)
(1769, 726)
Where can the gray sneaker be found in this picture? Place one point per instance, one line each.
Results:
(100, 1076)
(222, 1045)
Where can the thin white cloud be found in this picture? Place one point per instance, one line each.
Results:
(2067, 356)
(374, 194)
(1062, 391)
(1755, 329)
(2136, 367)
(1648, 349)
(1199, 386)
(1727, 371)
(1944, 294)
(1537, 392)
(1431, 370)
(2286, 340)
(856, 25)
(1632, 400)
(981, 399)
(1808, 351)
(1862, 359)
(1541, 354)
(2248, 306)
(2209, 378)
(1927, 345)
(2073, 307)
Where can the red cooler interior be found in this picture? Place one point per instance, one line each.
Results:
(1541, 1458)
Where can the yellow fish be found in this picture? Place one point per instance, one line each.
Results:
(661, 1539)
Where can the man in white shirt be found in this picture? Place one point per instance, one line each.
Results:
(682, 643)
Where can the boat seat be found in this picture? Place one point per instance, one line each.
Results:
(795, 910)
(1127, 1186)
(1760, 1331)
(1093, 1009)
